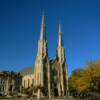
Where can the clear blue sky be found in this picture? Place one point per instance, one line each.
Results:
(20, 27)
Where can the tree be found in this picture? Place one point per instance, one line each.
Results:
(87, 79)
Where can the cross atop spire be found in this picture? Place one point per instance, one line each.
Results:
(60, 42)
(43, 29)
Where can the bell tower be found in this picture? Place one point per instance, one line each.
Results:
(42, 66)
(62, 68)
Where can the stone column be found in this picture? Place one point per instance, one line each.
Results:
(39, 93)
(59, 90)
(7, 86)
(62, 81)
(66, 81)
(13, 85)
(49, 82)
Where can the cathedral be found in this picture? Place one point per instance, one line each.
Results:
(50, 77)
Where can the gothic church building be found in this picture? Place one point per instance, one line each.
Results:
(50, 76)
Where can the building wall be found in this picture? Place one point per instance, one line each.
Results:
(10, 83)
(27, 81)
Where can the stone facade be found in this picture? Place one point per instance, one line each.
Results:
(50, 76)
(27, 81)
(10, 83)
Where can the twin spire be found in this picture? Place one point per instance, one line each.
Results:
(43, 29)
(43, 32)
(60, 42)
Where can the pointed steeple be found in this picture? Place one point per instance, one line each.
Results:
(43, 29)
(59, 28)
(60, 42)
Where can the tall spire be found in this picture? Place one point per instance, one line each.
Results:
(60, 42)
(59, 28)
(43, 29)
